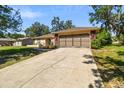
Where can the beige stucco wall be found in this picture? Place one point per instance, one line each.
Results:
(44, 42)
(37, 42)
(17, 43)
(53, 41)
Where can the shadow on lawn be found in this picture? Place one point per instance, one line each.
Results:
(121, 53)
(106, 73)
(114, 61)
(16, 54)
(98, 82)
(89, 59)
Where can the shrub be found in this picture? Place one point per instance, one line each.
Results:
(48, 47)
(121, 39)
(52, 46)
(96, 44)
(103, 38)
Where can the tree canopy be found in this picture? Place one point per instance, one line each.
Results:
(15, 35)
(10, 19)
(57, 24)
(37, 29)
(109, 17)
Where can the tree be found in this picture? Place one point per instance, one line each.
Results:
(68, 24)
(10, 19)
(58, 25)
(61, 25)
(110, 17)
(121, 39)
(15, 35)
(55, 24)
(37, 29)
(1, 34)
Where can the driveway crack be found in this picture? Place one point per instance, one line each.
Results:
(42, 71)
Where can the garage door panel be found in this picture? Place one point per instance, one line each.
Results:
(62, 41)
(77, 44)
(85, 43)
(69, 41)
(62, 44)
(77, 41)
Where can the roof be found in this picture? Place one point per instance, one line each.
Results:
(24, 38)
(45, 36)
(76, 30)
(79, 29)
(7, 39)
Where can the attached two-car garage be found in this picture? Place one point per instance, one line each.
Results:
(79, 40)
(75, 37)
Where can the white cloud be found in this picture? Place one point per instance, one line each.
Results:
(27, 12)
(30, 14)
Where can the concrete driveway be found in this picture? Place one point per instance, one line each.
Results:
(63, 67)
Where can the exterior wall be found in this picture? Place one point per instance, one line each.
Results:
(44, 42)
(93, 35)
(6, 43)
(53, 41)
(47, 42)
(27, 42)
(56, 40)
(38, 42)
(23, 42)
(17, 43)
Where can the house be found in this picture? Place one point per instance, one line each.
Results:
(23, 41)
(75, 37)
(6, 41)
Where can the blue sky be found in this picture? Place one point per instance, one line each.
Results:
(44, 14)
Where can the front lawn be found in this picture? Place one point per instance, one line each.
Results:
(10, 55)
(110, 62)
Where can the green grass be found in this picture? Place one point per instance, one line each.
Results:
(110, 62)
(14, 54)
(12, 47)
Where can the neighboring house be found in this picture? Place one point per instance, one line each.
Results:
(44, 40)
(23, 42)
(75, 37)
(6, 41)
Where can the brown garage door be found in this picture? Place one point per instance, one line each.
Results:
(69, 41)
(85, 41)
(75, 41)
(62, 41)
